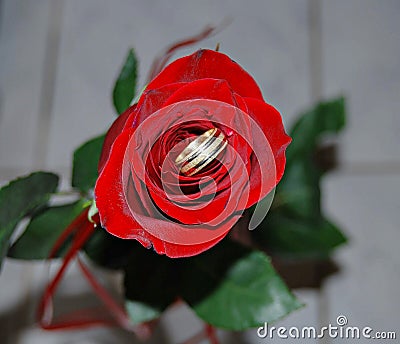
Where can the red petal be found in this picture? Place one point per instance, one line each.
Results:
(213, 89)
(114, 212)
(181, 251)
(151, 101)
(270, 121)
(208, 64)
(117, 219)
(115, 129)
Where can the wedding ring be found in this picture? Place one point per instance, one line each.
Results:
(201, 151)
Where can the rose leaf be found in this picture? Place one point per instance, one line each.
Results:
(296, 225)
(236, 288)
(151, 283)
(86, 159)
(108, 251)
(43, 231)
(20, 198)
(125, 86)
(140, 312)
(299, 189)
(292, 237)
(325, 117)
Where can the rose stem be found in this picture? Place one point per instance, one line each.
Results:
(212, 334)
(142, 331)
(160, 62)
(197, 338)
(46, 299)
(79, 221)
(208, 332)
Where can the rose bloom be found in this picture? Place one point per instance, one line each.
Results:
(143, 191)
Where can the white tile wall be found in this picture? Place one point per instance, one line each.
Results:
(271, 39)
(366, 290)
(96, 36)
(23, 32)
(362, 60)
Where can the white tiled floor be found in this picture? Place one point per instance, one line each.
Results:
(271, 39)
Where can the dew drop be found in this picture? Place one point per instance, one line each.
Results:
(209, 114)
(229, 133)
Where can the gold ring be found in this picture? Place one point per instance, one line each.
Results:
(201, 151)
(194, 146)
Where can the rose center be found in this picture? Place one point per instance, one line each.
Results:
(201, 151)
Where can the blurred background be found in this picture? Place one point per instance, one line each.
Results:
(58, 62)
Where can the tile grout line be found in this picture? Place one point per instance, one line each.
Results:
(8, 326)
(358, 169)
(316, 86)
(315, 49)
(361, 168)
(49, 69)
(48, 83)
(1, 90)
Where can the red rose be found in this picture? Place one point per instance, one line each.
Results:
(179, 201)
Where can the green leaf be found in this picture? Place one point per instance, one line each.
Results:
(86, 159)
(229, 286)
(151, 283)
(325, 117)
(20, 198)
(299, 188)
(296, 226)
(235, 288)
(109, 251)
(140, 312)
(43, 231)
(300, 238)
(125, 86)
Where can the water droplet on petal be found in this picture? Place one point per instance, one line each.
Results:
(209, 114)
(229, 133)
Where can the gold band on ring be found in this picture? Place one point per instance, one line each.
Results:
(193, 147)
(201, 151)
